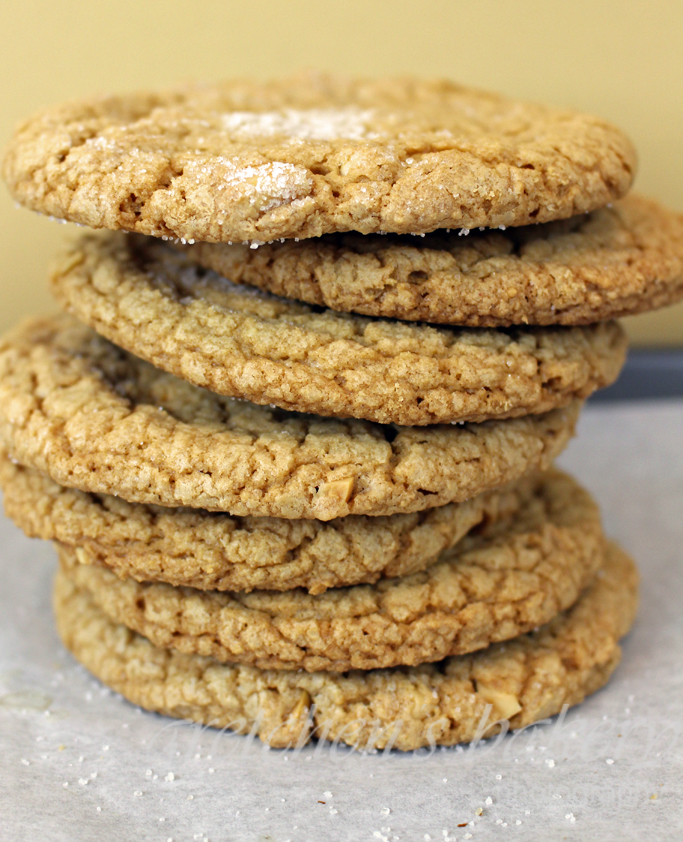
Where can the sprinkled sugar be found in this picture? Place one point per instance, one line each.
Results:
(310, 124)
(265, 186)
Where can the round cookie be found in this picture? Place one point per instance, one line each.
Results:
(517, 575)
(94, 417)
(215, 551)
(617, 261)
(314, 154)
(237, 341)
(463, 698)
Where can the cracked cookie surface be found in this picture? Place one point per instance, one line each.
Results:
(314, 154)
(617, 261)
(94, 417)
(512, 684)
(512, 577)
(238, 341)
(216, 551)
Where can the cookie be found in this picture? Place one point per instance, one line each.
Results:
(237, 341)
(514, 577)
(616, 261)
(314, 154)
(460, 699)
(94, 417)
(214, 551)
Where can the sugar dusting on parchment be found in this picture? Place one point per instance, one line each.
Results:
(308, 124)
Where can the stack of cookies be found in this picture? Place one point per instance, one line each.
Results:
(293, 436)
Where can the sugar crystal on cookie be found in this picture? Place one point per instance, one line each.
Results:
(299, 124)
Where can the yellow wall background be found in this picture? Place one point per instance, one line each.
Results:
(622, 60)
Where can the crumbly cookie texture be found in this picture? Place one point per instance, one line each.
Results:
(616, 261)
(94, 417)
(238, 341)
(516, 576)
(458, 700)
(314, 154)
(215, 551)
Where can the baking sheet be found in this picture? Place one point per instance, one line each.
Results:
(77, 762)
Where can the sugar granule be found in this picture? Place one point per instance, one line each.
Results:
(300, 124)
(265, 186)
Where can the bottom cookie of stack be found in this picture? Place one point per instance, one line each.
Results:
(461, 698)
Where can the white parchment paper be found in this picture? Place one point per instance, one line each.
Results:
(77, 762)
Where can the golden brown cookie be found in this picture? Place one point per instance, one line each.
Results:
(515, 576)
(94, 417)
(214, 551)
(460, 699)
(617, 261)
(237, 341)
(314, 154)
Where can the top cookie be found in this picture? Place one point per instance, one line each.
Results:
(314, 154)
